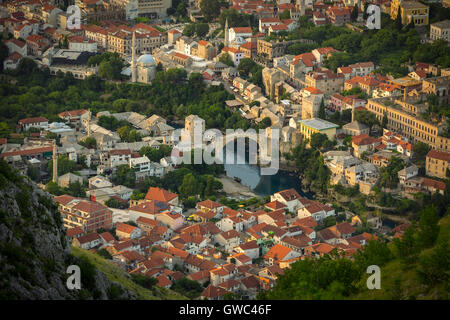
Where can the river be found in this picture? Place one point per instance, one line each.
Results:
(263, 185)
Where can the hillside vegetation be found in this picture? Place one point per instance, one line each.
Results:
(413, 267)
(114, 274)
(35, 252)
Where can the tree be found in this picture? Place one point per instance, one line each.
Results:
(265, 123)
(366, 117)
(113, 203)
(428, 229)
(187, 287)
(354, 14)
(226, 59)
(33, 173)
(4, 52)
(322, 114)
(89, 143)
(64, 165)
(189, 30)
(201, 29)
(109, 65)
(420, 150)
(124, 175)
(5, 130)
(210, 9)
(190, 186)
(317, 140)
(155, 154)
(181, 9)
(105, 254)
(286, 14)
(108, 122)
(398, 20)
(52, 187)
(434, 265)
(406, 247)
(389, 177)
(246, 65)
(76, 189)
(144, 281)
(128, 135)
(384, 123)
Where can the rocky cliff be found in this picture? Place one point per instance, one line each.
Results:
(35, 252)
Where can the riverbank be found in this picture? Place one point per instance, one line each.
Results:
(235, 189)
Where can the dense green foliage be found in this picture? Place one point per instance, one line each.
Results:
(366, 117)
(196, 29)
(389, 177)
(111, 123)
(210, 9)
(250, 70)
(64, 165)
(170, 95)
(237, 19)
(124, 175)
(154, 154)
(109, 65)
(309, 161)
(189, 288)
(388, 47)
(413, 266)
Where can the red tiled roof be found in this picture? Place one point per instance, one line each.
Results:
(313, 90)
(209, 204)
(64, 199)
(278, 252)
(440, 155)
(89, 206)
(72, 113)
(108, 237)
(229, 234)
(249, 245)
(363, 139)
(307, 222)
(275, 205)
(120, 152)
(242, 30)
(159, 194)
(147, 221)
(289, 194)
(433, 183)
(213, 292)
(345, 228)
(125, 228)
(33, 120)
(88, 237)
(74, 231)
(27, 152)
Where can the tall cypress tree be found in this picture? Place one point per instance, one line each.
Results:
(398, 21)
(354, 14)
(322, 114)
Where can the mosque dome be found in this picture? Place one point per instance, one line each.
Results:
(147, 60)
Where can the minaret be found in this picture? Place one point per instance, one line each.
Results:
(226, 33)
(89, 123)
(302, 7)
(133, 58)
(55, 163)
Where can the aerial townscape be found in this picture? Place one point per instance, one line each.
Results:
(90, 166)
